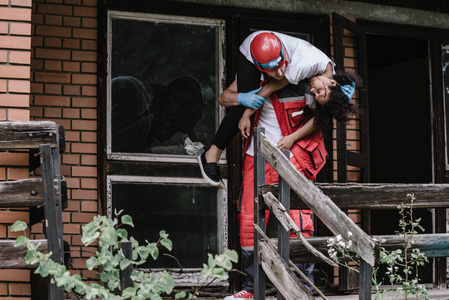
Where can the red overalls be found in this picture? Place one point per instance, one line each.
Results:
(309, 157)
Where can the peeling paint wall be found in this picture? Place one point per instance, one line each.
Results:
(366, 11)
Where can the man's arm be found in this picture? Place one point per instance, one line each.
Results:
(230, 96)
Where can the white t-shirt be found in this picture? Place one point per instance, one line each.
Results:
(304, 59)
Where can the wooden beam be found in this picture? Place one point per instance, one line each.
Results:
(14, 257)
(27, 135)
(323, 207)
(278, 271)
(375, 195)
(433, 245)
(27, 193)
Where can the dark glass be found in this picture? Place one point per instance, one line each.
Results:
(445, 55)
(163, 86)
(188, 213)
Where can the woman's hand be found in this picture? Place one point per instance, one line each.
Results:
(244, 126)
(285, 143)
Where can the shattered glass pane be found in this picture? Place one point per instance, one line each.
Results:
(163, 86)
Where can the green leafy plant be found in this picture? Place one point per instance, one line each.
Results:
(400, 263)
(110, 259)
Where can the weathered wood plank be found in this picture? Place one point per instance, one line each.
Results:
(278, 271)
(27, 193)
(14, 257)
(433, 245)
(27, 135)
(287, 222)
(375, 195)
(323, 207)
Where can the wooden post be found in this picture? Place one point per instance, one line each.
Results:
(366, 271)
(283, 234)
(125, 275)
(259, 215)
(57, 176)
(51, 227)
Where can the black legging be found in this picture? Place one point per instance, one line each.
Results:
(248, 79)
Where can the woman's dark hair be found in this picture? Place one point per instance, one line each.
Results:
(338, 106)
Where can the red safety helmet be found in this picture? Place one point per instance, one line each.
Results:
(267, 52)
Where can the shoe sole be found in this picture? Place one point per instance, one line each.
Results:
(206, 178)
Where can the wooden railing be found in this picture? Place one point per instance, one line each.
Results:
(317, 197)
(47, 195)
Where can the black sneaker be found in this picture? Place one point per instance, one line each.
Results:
(210, 171)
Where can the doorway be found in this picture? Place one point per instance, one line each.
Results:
(400, 123)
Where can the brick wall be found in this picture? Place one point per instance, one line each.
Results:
(63, 90)
(15, 45)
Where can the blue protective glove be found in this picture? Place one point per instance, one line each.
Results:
(251, 100)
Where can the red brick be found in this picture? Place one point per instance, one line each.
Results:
(25, 3)
(3, 289)
(84, 171)
(19, 86)
(17, 173)
(71, 229)
(84, 79)
(37, 64)
(89, 114)
(84, 55)
(71, 43)
(53, 20)
(72, 90)
(89, 91)
(52, 42)
(89, 137)
(65, 217)
(15, 42)
(13, 100)
(14, 159)
(89, 160)
(18, 114)
(52, 54)
(73, 205)
(73, 183)
(74, 2)
(37, 19)
(72, 21)
(2, 114)
(88, 183)
(3, 231)
(84, 125)
(9, 217)
(71, 159)
(89, 67)
(37, 228)
(69, 66)
(90, 3)
(36, 111)
(55, 89)
(52, 112)
(15, 275)
(72, 136)
(3, 56)
(83, 217)
(89, 45)
(52, 77)
(16, 28)
(2, 173)
(54, 9)
(85, 11)
(15, 14)
(14, 71)
(51, 65)
(4, 27)
(71, 113)
(83, 33)
(36, 88)
(84, 148)
(89, 22)
(89, 206)
(20, 289)
(19, 57)
(3, 85)
(84, 102)
(48, 100)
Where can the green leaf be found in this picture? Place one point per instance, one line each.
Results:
(124, 264)
(219, 273)
(167, 244)
(18, 226)
(117, 213)
(127, 220)
(122, 233)
(129, 292)
(21, 240)
(91, 263)
(163, 234)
